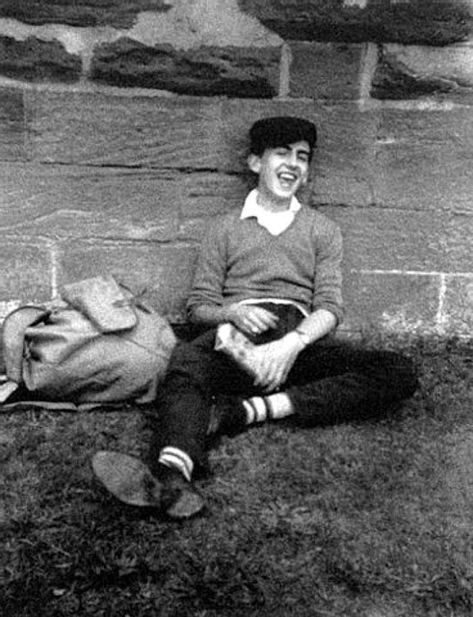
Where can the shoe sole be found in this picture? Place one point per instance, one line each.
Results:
(126, 478)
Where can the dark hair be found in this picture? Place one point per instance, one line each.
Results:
(281, 131)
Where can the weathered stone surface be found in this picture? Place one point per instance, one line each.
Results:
(325, 70)
(193, 134)
(342, 165)
(344, 158)
(409, 21)
(26, 270)
(117, 13)
(12, 125)
(398, 240)
(458, 305)
(86, 202)
(197, 134)
(197, 23)
(37, 60)
(395, 303)
(207, 71)
(458, 232)
(425, 160)
(393, 80)
(208, 194)
(137, 131)
(393, 240)
(165, 271)
(409, 71)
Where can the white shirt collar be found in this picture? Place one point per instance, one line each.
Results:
(274, 222)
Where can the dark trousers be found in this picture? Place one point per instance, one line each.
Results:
(328, 383)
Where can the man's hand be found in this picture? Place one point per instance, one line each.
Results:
(273, 361)
(251, 319)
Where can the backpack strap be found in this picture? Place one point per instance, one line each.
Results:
(13, 335)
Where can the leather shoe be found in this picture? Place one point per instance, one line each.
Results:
(127, 478)
(179, 499)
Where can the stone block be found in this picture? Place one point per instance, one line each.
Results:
(394, 303)
(12, 125)
(206, 71)
(393, 240)
(458, 232)
(164, 271)
(342, 165)
(133, 131)
(37, 60)
(66, 201)
(26, 270)
(82, 13)
(190, 25)
(407, 72)
(392, 81)
(453, 63)
(457, 313)
(425, 159)
(407, 21)
(209, 194)
(86, 202)
(325, 70)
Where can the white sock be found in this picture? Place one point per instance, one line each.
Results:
(280, 405)
(272, 407)
(177, 459)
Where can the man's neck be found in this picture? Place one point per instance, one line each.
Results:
(268, 202)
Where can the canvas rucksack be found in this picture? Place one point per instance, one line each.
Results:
(97, 344)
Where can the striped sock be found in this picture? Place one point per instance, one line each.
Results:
(177, 459)
(272, 407)
(256, 409)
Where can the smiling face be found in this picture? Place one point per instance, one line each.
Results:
(282, 171)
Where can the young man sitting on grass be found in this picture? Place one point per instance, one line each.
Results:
(272, 270)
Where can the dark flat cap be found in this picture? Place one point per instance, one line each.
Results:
(281, 131)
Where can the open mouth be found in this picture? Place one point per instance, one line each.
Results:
(287, 178)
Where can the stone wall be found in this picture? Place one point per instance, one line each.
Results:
(122, 131)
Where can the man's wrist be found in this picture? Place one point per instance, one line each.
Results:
(227, 314)
(295, 339)
(304, 337)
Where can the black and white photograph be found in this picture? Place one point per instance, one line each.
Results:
(236, 308)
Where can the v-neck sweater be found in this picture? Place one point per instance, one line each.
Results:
(240, 260)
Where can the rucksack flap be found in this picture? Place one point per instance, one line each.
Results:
(108, 305)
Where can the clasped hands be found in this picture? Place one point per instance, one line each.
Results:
(271, 362)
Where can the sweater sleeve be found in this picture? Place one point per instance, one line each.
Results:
(328, 275)
(209, 277)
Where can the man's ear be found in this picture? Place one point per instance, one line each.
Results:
(254, 163)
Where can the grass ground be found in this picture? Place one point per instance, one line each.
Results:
(370, 519)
